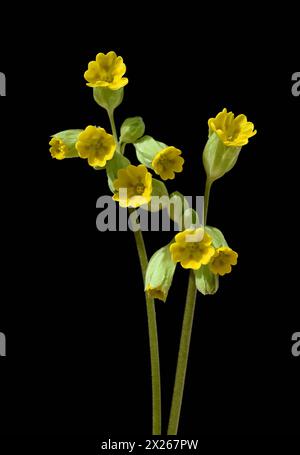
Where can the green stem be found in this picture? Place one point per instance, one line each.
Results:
(153, 340)
(183, 355)
(208, 185)
(113, 127)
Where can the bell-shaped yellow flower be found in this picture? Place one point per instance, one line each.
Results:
(95, 144)
(222, 260)
(133, 186)
(233, 131)
(192, 248)
(62, 144)
(107, 71)
(167, 162)
(58, 148)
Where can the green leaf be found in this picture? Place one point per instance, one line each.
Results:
(217, 236)
(146, 149)
(117, 162)
(206, 282)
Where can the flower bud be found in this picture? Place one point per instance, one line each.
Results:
(206, 282)
(132, 129)
(107, 98)
(159, 274)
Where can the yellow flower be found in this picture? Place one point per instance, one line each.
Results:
(233, 132)
(106, 71)
(58, 148)
(62, 144)
(192, 248)
(133, 186)
(222, 260)
(168, 161)
(96, 145)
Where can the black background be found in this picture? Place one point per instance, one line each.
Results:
(72, 306)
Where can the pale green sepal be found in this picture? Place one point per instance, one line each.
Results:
(218, 158)
(107, 98)
(146, 149)
(117, 162)
(159, 274)
(206, 282)
(218, 239)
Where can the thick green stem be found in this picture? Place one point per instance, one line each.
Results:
(183, 355)
(208, 185)
(153, 340)
(113, 127)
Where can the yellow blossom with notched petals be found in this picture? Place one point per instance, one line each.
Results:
(133, 186)
(58, 148)
(106, 71)
(95, 144)
(222, 260)
(167, 162)
(233, 131)
(192, 248)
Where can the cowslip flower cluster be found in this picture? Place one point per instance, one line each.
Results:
(133, 183)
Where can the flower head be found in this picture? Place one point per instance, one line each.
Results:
(96, 145)
(62, 144)
(222, 260)
(133, 186)
(106, 71)
(233, 131)
(167, 162)
(58, 148)
(192, 248)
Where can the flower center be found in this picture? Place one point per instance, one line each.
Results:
(140, 188)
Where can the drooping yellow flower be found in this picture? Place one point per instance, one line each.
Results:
(192, 248)
(167, 162)
(58, 148)
(62, 144)
(133, 186)
(106, 71)
(95, 144)
(222, 260)
(233, 131)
